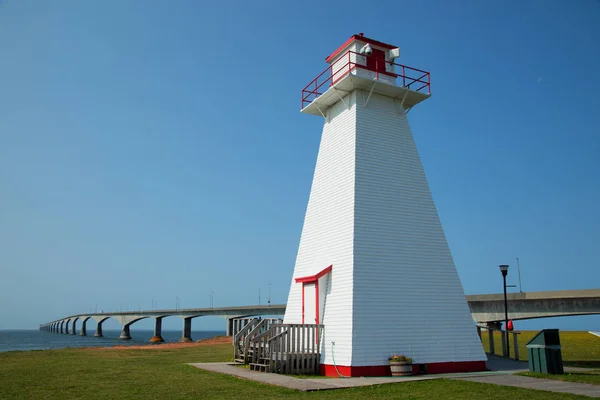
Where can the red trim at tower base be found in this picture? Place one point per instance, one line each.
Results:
(384, 370)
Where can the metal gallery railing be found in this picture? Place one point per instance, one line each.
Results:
(410, 78)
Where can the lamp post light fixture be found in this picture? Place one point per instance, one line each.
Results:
(504, 270)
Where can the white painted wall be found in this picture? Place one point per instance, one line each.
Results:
(323, 286)
(328, 233)
(339, 65)
(408, 298)
(393, 287)
(310, 303)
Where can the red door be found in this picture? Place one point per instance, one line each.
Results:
(376, 61)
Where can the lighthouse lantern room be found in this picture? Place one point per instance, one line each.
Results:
(365, 64)
(373, 266)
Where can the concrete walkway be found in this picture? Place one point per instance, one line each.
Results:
(304, 385)
(548, 385)
(498, 376)
(311, 384)
(497, 363)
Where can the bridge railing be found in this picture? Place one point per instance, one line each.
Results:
(503, 336)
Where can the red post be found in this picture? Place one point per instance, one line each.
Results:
(428, 83)
(349, 63)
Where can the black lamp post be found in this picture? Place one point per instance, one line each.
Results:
(504, 270)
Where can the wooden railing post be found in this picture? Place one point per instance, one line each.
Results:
(287, 348)
(491, 339)
(504, 348)
(240, 337)
(479, 332)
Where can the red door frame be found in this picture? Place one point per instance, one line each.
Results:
(313, 279)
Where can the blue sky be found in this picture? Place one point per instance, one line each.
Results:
(151, 150)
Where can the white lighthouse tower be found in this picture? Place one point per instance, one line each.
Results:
(373, 264)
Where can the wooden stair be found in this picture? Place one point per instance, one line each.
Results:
(263, 366)
(268, 345)
(260, 367)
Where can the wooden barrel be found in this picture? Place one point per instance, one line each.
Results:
(401, 368)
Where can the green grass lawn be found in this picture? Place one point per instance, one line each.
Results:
(592, 377)
(579, 349)
(163, 374)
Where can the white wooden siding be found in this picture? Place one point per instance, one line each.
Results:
(340, 67)
(393, 287)
(328, 233)
(340, 64)
(323, 285)
(407, 294)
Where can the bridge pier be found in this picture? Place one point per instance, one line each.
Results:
(98, 332)
(83, 331)
(229, 327)
(62, 327)
(125, 333)
(157, 338)
(186, 336)
(74, 327)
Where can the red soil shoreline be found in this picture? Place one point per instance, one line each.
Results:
(163, 346)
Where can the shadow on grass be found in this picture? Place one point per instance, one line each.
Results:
(582, 363)
(589, 377)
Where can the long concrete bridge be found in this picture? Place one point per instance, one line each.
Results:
(485, 309)
(68, 325)
(489, 308)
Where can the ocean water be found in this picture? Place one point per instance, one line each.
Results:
(15, 340)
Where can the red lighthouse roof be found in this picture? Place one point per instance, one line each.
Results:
(360, 38)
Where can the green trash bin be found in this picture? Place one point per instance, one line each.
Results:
(544, 352)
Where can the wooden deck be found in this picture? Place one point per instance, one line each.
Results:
(270, 346)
